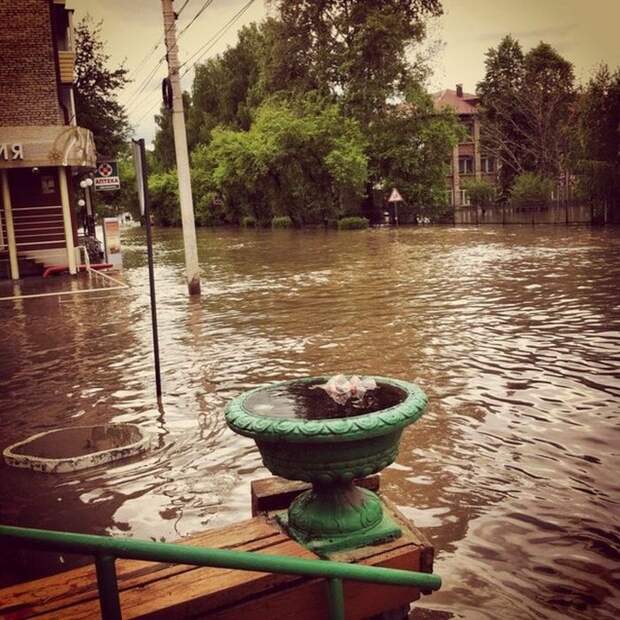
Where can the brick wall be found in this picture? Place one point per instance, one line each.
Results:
(27, 65)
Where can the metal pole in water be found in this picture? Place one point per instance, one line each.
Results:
(144, 199)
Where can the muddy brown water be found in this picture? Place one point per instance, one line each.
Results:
(514, 334)
(71, 442)
(308, 401)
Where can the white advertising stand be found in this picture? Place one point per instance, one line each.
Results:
(112, 242)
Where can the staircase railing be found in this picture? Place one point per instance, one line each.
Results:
(106, 549)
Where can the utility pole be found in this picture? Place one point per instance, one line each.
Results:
(180, 147)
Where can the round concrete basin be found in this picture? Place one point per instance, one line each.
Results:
(79, 447)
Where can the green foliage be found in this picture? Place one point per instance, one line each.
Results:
(164, 157)
(227, 88)
(531, 188)
(412, 143)
(283, 221)
(353, 49)
(298, 159)
(357, 52)
(96, 88)
(352, 223)
(248, 221)
(164, 198)
(481, 192)
(299, 118)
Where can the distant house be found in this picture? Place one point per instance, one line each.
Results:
(468, 160)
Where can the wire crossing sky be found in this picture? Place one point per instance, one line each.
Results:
(583, 32)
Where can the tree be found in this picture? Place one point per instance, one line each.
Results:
(526, 105)
(481, 192)
(96, 90)
(597, 137)
(530, 188)
(411, 144)
(164, 156)
(300, 159)
(354, 51)
(501, 122)
(227, 88)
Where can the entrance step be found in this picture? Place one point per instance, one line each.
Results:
(27, 266)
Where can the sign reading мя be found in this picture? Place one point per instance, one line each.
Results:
(11, 151)
(106, 176)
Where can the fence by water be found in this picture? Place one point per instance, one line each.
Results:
(564, 212)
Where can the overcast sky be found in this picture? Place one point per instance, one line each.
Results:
(585, 32)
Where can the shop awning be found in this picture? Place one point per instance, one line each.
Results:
(52, 145)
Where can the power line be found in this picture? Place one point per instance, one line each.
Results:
(206, 4)
(158, 44)
(143, 85)
(149, 109)
(145, 82)
(214, 39)
(203, 49)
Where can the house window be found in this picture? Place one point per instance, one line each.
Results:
(487, 164)
(465, 201)
(466, 165)
(450, 197)
(468, 126)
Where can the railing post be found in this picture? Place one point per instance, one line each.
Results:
(335, 599)
(108, 587)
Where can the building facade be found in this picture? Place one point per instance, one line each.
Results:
(43, 152)
(468, 160)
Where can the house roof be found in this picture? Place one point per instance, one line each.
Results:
(449, 99)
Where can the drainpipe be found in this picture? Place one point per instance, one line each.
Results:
(66, 217)
(10, 229)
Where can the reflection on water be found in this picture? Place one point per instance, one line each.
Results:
(513, 333)
(75, 441)
(309, 401)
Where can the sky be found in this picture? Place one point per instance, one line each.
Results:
(584, 32)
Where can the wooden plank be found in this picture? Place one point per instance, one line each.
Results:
(189, 593)
(80, 584)
(307, 600)
(156, 591)
(275, 493)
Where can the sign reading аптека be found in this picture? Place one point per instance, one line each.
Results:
(106, 176)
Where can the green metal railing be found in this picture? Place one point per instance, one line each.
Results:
(106, 550)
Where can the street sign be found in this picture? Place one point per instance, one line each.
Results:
(106, 176)
(395, 196)
(137, 160)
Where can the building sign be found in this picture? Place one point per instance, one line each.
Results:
(11, 151)
(112, 241)
(106, 176)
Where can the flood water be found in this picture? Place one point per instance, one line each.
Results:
(310, 401)
(514, 334)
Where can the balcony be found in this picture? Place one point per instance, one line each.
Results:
(66, 62)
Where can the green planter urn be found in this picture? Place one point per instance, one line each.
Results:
(304, 434)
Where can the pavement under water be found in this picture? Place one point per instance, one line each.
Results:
(513, 333)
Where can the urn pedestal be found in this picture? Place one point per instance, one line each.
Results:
(301, 435)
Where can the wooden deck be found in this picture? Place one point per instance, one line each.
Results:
(149, 590)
